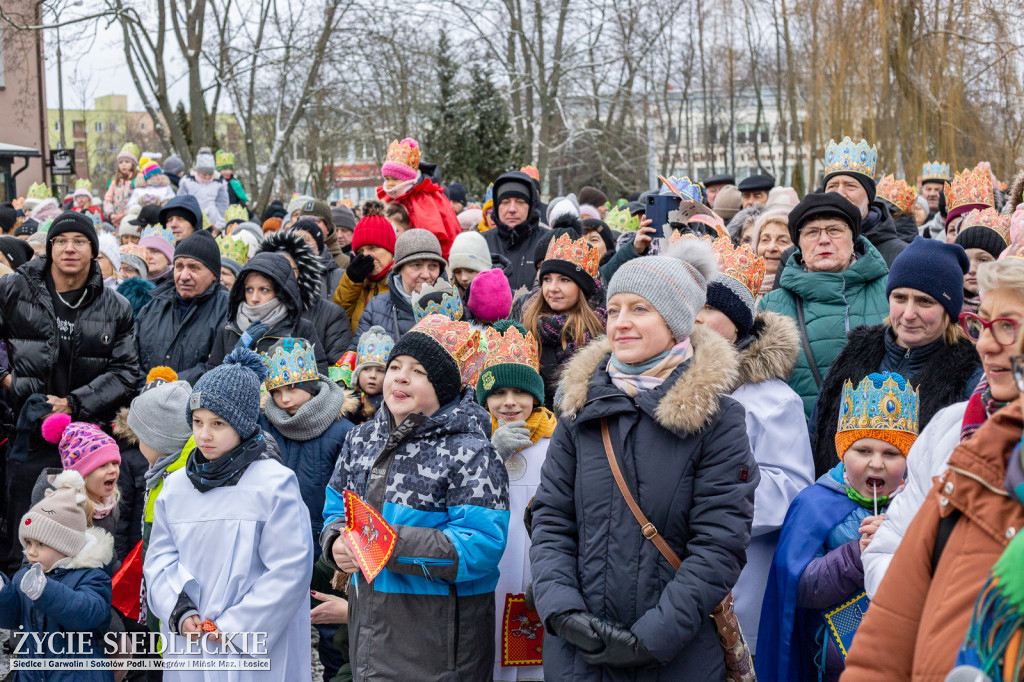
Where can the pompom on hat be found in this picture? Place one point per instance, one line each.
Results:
(232, 392)
(155, 414)
(83, 447)
(58, 520)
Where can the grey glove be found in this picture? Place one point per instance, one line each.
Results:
(510, 438)
(33, 582)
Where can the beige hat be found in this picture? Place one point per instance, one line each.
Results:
(58, 520)
(728, 202)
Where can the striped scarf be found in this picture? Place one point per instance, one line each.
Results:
(980, 407)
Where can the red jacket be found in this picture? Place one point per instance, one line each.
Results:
(429, 209)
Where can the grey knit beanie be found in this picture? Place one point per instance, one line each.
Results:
(675, 284)
(417, 244)
(58, 520)
(232, 392)
(155, 416)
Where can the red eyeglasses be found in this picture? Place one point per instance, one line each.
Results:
(1003, 329)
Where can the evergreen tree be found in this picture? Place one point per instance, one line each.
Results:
(495, 149)
(183, 122)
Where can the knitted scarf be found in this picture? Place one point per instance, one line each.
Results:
(980, 407)
(269, 313)
(549, 328)
(971, 302)
(541, 424)
(627, 379)
(227, 469)
(313, 418)
(766, 286)
(102, 509)
(155, 473)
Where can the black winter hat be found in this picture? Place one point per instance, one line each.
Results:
(820, 205)
(16, 251)
(73, 221)
(867, 183)
(203, 247)
(982, 237)
(442, 371)
(541, 251)
(456, 192)
(149, 215)
(8, 216)
(28, 227)
(307, 225)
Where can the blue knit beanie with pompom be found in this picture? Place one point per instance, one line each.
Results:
(232, 391)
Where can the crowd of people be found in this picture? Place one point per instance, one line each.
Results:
(771, 436)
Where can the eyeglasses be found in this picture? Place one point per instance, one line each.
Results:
(76, 244)
(1003, 329)
(814, 233)
(1017, 363)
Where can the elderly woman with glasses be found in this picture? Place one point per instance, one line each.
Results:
(963, 519)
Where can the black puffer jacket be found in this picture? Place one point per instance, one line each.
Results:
(278, 270)
(880, 230)
(105, 364)
(179, 341)
(518, 244)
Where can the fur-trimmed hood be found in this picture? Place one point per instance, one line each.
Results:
(688, 405)
(121, 428)
(309, 265)
(97, 552)
(773, 352)
(1013, 194)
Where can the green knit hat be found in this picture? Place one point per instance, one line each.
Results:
(513, 361)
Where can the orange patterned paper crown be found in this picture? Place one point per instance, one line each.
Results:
(404, 153)
(741, 263)
(578, 252)
(970, 187)
(460, 340)
(511, 347)
(897, 192)
(990, 218)
(532, 171)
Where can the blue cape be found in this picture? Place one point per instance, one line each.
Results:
(814, 512)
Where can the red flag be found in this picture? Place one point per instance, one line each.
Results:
(369, 535)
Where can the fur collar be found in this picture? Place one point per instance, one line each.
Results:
(97, 552)
(121, 428)
(773, 352)
(688, 405)
(1014, 193)
(308, 263)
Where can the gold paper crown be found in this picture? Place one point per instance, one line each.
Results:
(235, 212)
(532, 171)
(970, 186)
(459, 340)
(990, 218)
(740, 263)
(404, 154)
(449, 303)
(83, 183)
(223, 159)
(578, 252)
(935, 172)
(511, 347)
(233, 249)
(883, 406)
(38, 190)
(130, 148)
(848, 157)
(293, 362)
(897, 192)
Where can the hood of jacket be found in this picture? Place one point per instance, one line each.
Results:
(97, 552)
(686, 402)
(879, 226)
(829, 287)
(278, 270)
(517, 234)
(184, 202)
(772, 351)
(309, 265)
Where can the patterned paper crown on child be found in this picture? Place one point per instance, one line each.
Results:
(990, 218)
(130, 148)
(935, 172)
(374, 349)
(83, 183)
(223, 159)
(532, 171)
(38, 190)
(740, 263)
(683, 188)
(233, 249)
(235, 212)
(459, 340)
(883, 406)
(293, 362)
(437, 299)
(403, 155)
(620, 218)
(578, 252)
(158, 231)
(970, 186)
(511, 347)
(897, 192)
(847, 157)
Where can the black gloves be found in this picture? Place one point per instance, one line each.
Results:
(600, 642)
(360, 267)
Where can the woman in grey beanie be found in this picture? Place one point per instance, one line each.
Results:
(650, 397)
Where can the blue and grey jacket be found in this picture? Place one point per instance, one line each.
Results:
(438, 481)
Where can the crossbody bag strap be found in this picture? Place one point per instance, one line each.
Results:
(646, 527)
(806, 342)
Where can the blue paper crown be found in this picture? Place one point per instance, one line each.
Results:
(489, 194)
(158, 231)
(935, 172)
(450, 306)
(374, 349)
(847, 157)
(682, 186)
(880, 401)
(293, 362)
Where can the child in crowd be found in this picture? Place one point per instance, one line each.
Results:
(439, 298)
(368, 375)
(424, 463)
(66, 590)
(469, 256)
(815, 596)
(230, 550)
(115, 201)
(511, 389)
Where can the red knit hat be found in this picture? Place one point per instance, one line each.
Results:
(374, 230)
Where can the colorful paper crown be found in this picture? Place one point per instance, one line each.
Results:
(460, 340)
(990, 218)
(83, 183)
(235, 212)
(150, 169)
(158, 231)
(620, 218)
(38, 190)
(511, 347)
(847, 157)
(740, 263)
(935, 172)
(206, 222)
(970, 187)
(438, 299)
(532, 171)
(578, 252)
(374, 349)
(133, 250)
(130, 148)
(233, 249)
(223, 159)
(683, 188)
(897, 192)
(405, 153)
(293, 362)
(883, 406)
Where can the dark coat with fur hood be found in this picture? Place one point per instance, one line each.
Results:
(684, 454)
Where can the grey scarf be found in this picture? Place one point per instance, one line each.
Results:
(269, 313)
(155, 473)
(312, 419)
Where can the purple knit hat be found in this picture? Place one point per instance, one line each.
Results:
(83, 447)
(490, 297)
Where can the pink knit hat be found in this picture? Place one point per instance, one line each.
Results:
(490, 297)
(83, 447)
(403, 160)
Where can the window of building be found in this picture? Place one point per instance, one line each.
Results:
(142, 126)
(56, 125)
(113, 126)
(99, 126)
